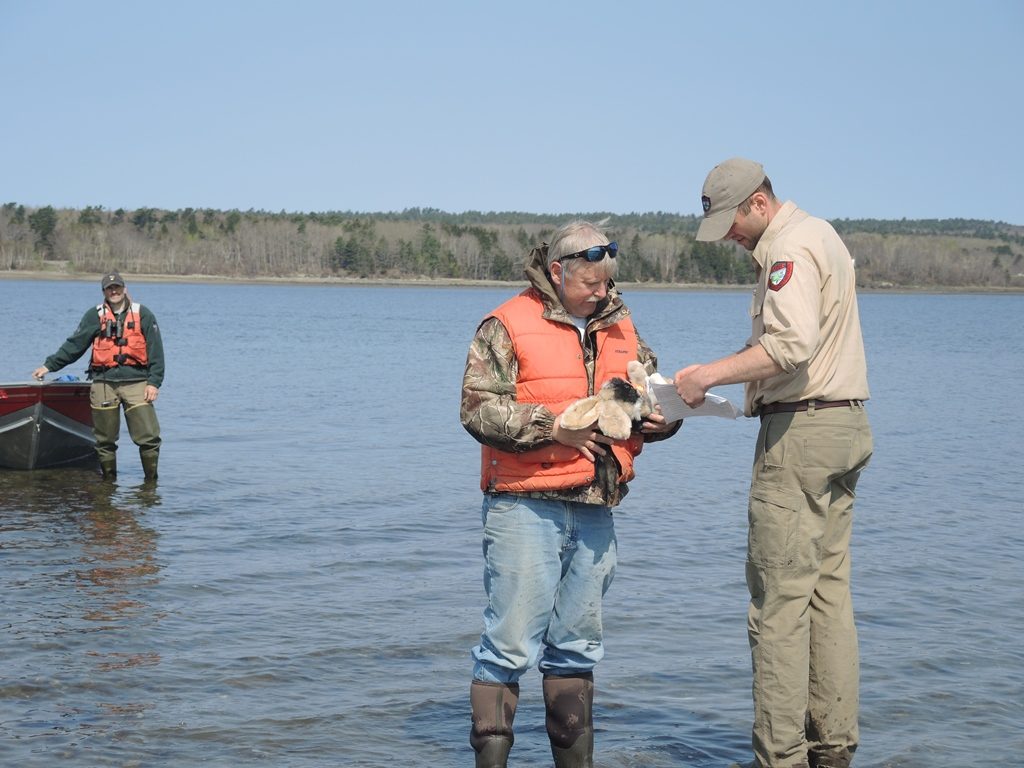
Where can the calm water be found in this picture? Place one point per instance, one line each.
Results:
(304, 584)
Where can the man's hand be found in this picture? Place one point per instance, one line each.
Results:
(655, 424)
(586, 441)
(40, 372)
(151, 393)
(749, 364)
(690, 386)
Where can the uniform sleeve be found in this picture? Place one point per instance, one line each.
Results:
(154, 348)
(790, 312)
(489, 409)
(76, 344)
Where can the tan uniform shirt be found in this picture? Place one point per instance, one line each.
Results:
(805, 315)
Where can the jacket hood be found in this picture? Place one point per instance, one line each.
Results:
(537, 273)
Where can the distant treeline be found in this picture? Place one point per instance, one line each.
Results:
(429, 243)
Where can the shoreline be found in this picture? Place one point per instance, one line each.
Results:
(448, 282)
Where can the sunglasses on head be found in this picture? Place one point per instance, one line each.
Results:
(595, 253)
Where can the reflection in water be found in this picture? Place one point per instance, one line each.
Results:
(117, 555)
(85, 606)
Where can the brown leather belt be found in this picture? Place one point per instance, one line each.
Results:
(765, 408)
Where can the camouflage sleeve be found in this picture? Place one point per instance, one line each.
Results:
(489, 410)
(646, 356)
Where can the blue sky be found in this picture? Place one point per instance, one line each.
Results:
(877, 109)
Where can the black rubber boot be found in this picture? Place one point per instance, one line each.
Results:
(836, 758)
(106, 427)
(144, 428)
(149, 459)
(569, 703)
(108, 466)
(494, 708)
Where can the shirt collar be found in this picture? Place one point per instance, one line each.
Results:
(772, 231)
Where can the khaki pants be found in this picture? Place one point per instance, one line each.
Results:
(800, 622)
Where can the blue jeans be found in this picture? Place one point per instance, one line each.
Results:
(547, 566)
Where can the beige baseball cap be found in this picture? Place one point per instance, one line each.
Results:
(726, 187)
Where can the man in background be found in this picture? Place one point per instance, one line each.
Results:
(549, 538)
(806, 379)
(126, 369)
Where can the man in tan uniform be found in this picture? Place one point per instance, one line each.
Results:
(806, 379)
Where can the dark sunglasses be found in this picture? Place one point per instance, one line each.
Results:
(596, 253)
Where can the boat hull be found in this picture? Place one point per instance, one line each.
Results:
(45, 425)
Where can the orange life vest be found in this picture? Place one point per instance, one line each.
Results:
(119, 343)
(552, 372)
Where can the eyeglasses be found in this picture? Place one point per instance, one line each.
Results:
(595, 253)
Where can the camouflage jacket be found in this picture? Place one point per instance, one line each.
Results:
(491, 414)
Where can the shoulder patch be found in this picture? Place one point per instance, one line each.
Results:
(779, 275)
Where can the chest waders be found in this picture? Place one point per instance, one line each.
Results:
(121, 342)
(144, 429)
(106, 426)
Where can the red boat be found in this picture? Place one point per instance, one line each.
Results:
(46, 424)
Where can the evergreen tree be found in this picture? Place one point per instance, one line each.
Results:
(44, 224)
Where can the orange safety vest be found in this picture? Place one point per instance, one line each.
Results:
(552, 372)
(119, 343)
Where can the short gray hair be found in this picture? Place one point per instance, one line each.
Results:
(574, 237)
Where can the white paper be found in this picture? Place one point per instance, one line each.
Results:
(673, 408)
